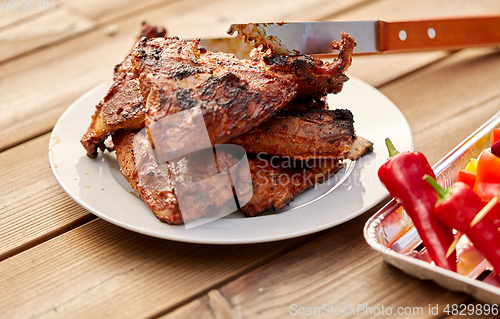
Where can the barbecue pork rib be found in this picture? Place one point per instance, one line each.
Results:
(123, 106)
(317, 134)
(233, 95)
(157, 184)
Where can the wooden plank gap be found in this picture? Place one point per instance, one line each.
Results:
(220, 305)
(466, 110)
(355, 6)
(48, 236)
(108, 11)
(139, 11)
(28, 138)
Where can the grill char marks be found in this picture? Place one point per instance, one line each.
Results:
(183, 99)
(316, 134)
(182, 71)
(223, 90)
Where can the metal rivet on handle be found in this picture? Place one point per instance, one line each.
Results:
(431, 33)
(402, 35)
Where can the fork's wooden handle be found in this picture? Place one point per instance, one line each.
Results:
(436, 34)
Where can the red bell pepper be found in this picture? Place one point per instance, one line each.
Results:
(457, 206)
(403, 175)
(488, 176)
(467, 177)
(494, 214)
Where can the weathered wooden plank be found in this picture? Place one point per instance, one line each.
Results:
(44, 29)
(33, 207)
(189, 24)
(100, 270)
(395, 9)
(380, 69)
(258, 11)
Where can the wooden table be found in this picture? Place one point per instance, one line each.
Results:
(59, 260)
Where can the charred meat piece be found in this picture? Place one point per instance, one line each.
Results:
(152, 31)
(160, 185)
(360, 147)
(234, 95)
(161, 199)
(314, 77)
(317, 134)
(276, 183)
(153, 183)
(123, 106)
(233, 98)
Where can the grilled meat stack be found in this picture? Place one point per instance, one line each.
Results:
(268, 104)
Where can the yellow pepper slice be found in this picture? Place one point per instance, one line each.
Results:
(472, 166)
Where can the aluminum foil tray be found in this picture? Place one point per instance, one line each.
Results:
(391, 232)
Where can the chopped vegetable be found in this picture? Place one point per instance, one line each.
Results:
(402, 175)
(456, 207)
(495, 148)
(488, 176)
(467, 177)
(472, 166)
(495, 136)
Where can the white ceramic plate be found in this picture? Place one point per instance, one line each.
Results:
(97, 185)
